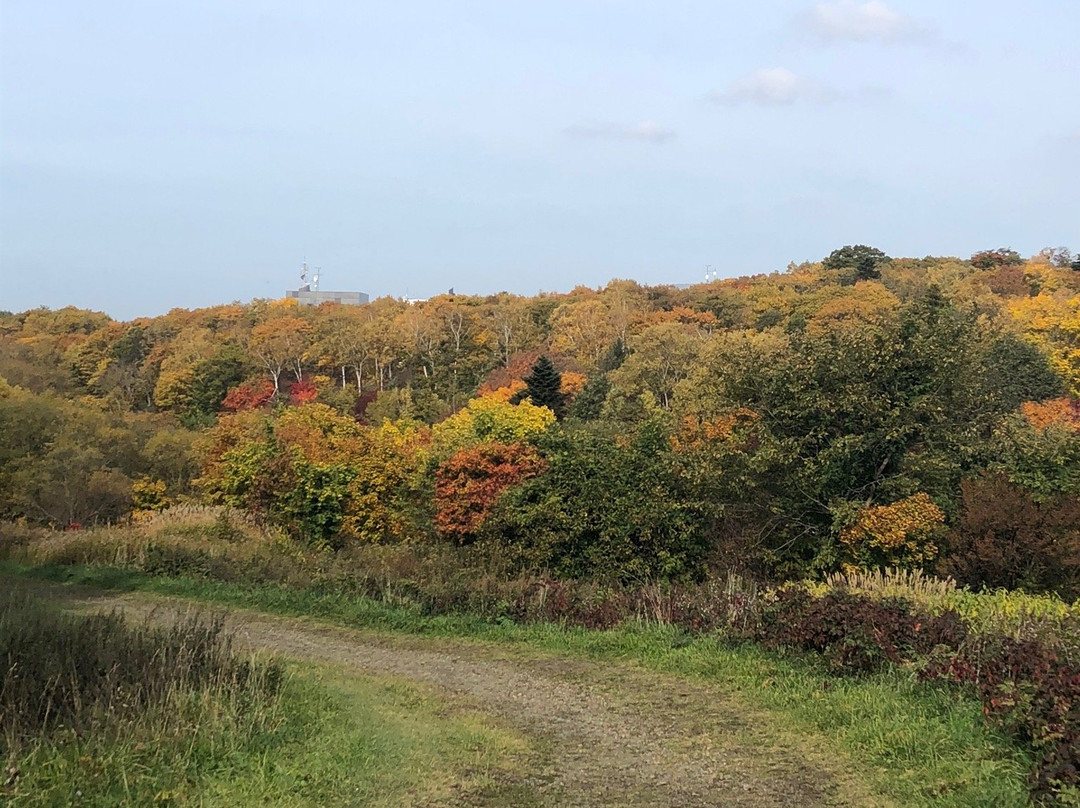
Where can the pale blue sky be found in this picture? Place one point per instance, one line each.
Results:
(189, 153)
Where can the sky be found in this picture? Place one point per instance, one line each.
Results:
(157, 155)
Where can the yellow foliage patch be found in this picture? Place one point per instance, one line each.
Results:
(899, 533)
(490, 420)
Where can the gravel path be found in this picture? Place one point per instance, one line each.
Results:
(612, 734)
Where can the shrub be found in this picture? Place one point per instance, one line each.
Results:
(898, 534)
(612, 509)
(468, 484)
(1032, 692)
(856, 634)
(1005, 538)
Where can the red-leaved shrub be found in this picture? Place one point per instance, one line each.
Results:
(1004, 538)
(855, 634)
(469, 482)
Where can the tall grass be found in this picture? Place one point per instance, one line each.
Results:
(103, 710)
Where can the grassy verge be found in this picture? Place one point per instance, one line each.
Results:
(920, 744)
(373, 742)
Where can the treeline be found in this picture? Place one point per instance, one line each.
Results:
(862, 411)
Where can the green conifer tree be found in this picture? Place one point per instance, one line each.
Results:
(543, 386)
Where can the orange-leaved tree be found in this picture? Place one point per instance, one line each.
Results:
(468, 484)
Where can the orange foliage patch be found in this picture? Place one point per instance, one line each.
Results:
(468, 484)
(572, 383)
(504, 393)
(705, 320)
(1061, 412)
(697, 433)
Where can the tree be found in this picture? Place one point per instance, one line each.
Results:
(991, 259)
(1019, 372)
(661, 356)
(584, 330)
(851, 419)
(468, 484)
(213, 378)
(490, 420)
(543, 387)
(279, 344)
(1060, 257)
(510, 320)
(863, 260)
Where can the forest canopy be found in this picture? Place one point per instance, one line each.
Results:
(860, 412)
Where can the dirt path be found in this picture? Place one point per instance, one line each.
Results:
(613, 734)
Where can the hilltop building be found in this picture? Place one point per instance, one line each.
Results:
(309, 294)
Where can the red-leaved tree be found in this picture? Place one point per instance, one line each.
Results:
(302, 392)
(468, 484)
(249, 396)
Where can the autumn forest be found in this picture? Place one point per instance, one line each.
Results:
(858, 412)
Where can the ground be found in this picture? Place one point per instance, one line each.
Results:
(594, 733)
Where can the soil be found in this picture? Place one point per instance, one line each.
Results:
(602, 733)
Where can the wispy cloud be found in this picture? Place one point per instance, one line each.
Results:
(646, 131)
(778, 87)
(771, 86)
(852, 21)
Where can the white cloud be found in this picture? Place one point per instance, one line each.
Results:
(774, 86)
(646, 131)
(852, 21)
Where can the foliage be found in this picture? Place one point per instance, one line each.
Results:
(149, 495)
(606, 508)
(249, 396)
(855, 634)
(1005, 538)
(468, 483)
(1002, 256)
(213, 379)
(315, 506)
(388, 494)
(898, 534)
(543, 387)
(860, 260)
(792, 405)
(1028, 688)
(488, 419)
(1039, 450)
(1033, 693)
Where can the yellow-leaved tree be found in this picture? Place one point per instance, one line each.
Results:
(489, 419)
